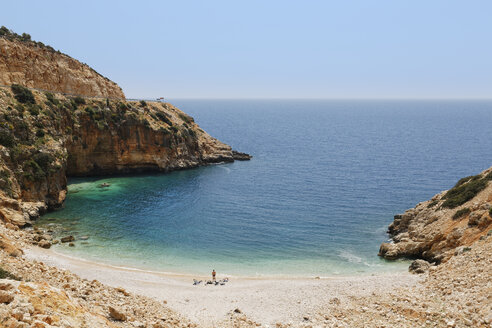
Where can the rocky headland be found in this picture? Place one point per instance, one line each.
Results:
(448, 224)
(47, 136)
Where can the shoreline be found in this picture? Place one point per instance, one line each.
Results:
(191, 275)
(266, 300)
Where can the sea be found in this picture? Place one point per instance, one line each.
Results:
(325, 180)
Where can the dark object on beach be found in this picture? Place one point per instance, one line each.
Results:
(67, 239)
(196, 282)
(71, 244)
(209, 282)
(44, 244)
(419, 266)
(238, 156)
(104, 185)
(236, 310)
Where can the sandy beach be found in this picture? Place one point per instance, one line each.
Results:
(265, 300)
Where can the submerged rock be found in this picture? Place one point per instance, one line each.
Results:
(67, 239)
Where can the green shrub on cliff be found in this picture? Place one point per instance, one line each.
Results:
(5, 183)
(79, 100)
(38, 167)
(122, 106)
(25, 37)
(89, 110)
(466, 179)
(7, 275)
(163, 117)
(22, 94)
(460, 213)
(4, 31)
(6, 138)
(433, 203)
(40, 133)
(32, 171)
(34, 109)
(51, 98)
(186, 118)
(44, 160)
(465, 189)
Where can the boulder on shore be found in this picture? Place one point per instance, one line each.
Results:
(44, 244)
(116, 314)
(6, 297)
(419, 266)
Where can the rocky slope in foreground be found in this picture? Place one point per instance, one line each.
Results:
(449, 223)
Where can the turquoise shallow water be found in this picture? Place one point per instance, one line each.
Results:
(325, 181)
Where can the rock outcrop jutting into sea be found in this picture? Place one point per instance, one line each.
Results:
(446, 225)
(45, 136)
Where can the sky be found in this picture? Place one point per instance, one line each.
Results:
(272, 49)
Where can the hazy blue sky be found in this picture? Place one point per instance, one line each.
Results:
(272, 49)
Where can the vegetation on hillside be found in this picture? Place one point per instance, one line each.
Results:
(24, 37)
(22, 94)
(461, 213)
(7, 275)
(465, 189)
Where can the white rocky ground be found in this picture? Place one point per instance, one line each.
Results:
(457, 293)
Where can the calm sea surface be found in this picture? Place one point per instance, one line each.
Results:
(325, 181)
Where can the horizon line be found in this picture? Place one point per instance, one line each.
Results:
(328, 98)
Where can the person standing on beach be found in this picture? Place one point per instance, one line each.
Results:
(213, 274)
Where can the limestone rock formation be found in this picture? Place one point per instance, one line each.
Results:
(434, 229)
(37, 67)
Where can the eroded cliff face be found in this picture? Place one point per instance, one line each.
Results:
(44, 139)
(33, 66)
(445, 225)
(139, 140)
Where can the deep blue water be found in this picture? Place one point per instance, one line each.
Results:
(325, 181)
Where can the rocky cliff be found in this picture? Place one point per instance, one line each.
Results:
(445, 225)
(45, 137)
(35, 65)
